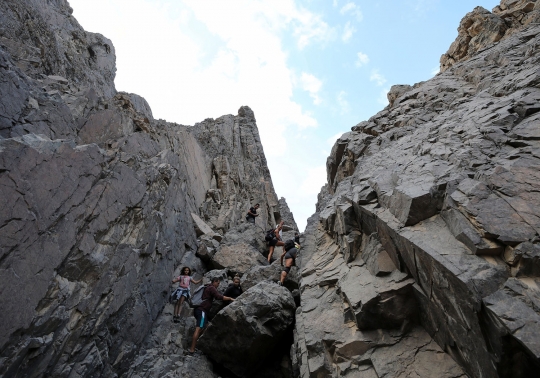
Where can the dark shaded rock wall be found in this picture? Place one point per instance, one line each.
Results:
(426, 236)
(97, 196)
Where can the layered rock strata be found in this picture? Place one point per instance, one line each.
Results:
(100, 203)
(425, 244)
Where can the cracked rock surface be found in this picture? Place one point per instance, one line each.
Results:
(425, 243)
(101, 204)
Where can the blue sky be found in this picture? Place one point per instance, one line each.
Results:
(310, 69)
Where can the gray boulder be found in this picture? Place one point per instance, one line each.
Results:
(244, 334)
(272, 273)
(237, 258)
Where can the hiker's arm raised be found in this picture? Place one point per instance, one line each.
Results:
(176, 279)
(195, 281)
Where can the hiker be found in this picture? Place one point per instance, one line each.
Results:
(274, 239)
(182, 292)
(252, 213)
(297, 239)
(290, 259)
(210, 293)
(234, 290)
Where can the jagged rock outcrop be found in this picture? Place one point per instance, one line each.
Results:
(480, 28)
(424, 221)
(286, 215)
(97, 200)
(243, 335)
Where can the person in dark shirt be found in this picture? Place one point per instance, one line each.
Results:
(209, 294)
(252, 213)
(290, 260)
(234, 290)
(296, 238)
(276, 242)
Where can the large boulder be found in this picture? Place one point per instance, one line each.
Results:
(242, 335)
(379, 302)
(201, 228)
(237, 258)
(246, 233)
(272, 272)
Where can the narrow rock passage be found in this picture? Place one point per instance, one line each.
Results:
(421, 260)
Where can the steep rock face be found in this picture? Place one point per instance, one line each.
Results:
(480, 28)
(424, 222)
(97, 199)
(43, 38)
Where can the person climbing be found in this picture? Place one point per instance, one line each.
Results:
(234, 290)
(182, 292)
(297, 239)
(208, 296)
(275, 240)
(290, 259)
(252, 213)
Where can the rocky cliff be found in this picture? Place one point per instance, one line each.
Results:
(100, 203)
(423, 258)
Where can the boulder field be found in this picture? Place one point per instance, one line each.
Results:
(421, 260)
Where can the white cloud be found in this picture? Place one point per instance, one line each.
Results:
(348, 31)
(377, 77)
(421, 7)
(310, 28)
(362, 59)
(353, 9)
(312, 85)
(383, 98)
(342, 102)
(316, 178)
(435, 71)
(188, 76)
(334, 3)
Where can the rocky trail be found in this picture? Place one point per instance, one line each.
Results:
(421, 260)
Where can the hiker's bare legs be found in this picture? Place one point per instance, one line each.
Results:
(270, 252)
(177, 308)
(182, 298)
(288, 264)
(196, 335)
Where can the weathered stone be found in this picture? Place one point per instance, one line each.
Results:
(395, 92)
(416, 355)
(237, 258)
(271, 272)
(203, 229)
(378, 262)
(244, 334)
(454, 163)
(478, 29)
(378, 302)
(96, 200)
(529, 260)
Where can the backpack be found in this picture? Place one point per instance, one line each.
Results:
(196, 298)
(270, 235)
(289, 244)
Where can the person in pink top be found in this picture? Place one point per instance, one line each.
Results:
(183, 291)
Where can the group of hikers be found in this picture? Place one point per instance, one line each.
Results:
(204, 296)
